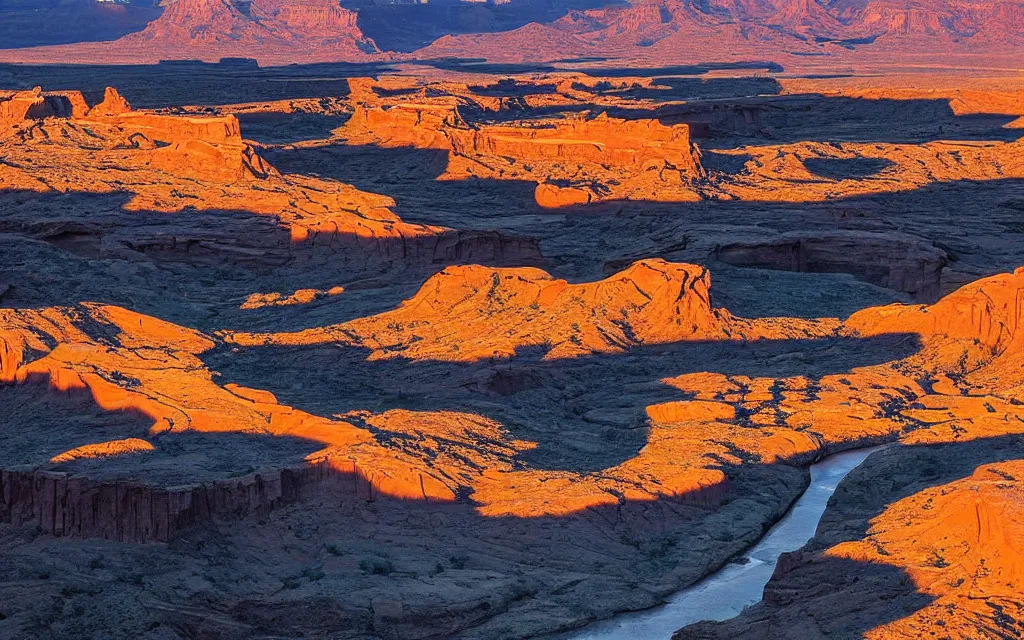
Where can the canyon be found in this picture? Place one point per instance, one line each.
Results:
(489, 352)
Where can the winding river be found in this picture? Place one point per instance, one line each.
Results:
(725, 593)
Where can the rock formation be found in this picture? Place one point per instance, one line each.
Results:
(887, 260)
(674, 31)
(574, 162)
(113, 104)
(172, 162)
(499, 311)
(27, 106)
(595, 159)
(752, 427)
(261, 29)
(302, 296)
(663, 31)
(784, 172)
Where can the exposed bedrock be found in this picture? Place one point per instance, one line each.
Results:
(893, 260)
(445, 247)
(632, 144)
(67, 504)
(228, 205)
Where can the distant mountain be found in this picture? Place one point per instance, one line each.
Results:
(256, 26)
(696, 30)
(649, 31)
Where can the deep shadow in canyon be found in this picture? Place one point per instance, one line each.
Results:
(92, 249)
(653, 534)
(576, 409)
(43, 423)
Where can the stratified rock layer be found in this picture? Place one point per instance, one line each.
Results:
(574, 162)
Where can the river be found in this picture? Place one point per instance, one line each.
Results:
(725, 593)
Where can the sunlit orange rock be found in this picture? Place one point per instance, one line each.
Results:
(694, 410)
(629, 144)
(113, 104)
(575, 161)
(104, 450)
(22, 106)
(782, 173)
(302, 296)
(989, 311)
(553, 196)
(420, 125)
(468, 314)
(170, 163)
(472, 313)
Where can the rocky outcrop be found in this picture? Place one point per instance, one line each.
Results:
(470, 313)
(633, 145)
(790, 172)
(423, 126)
(989, 311)
(25, 105)
(553, 196)
(302, 296)
(573, 162)
(210, 147)
(895, 261)
(113, 104)
(225, 163)
(28, 106)
(173, 162)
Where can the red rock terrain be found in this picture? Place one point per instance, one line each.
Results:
(670, 31)
(259, 27)
(647, 32)
(212, 29)
(574, 162)
(577, 357)
(172, 163)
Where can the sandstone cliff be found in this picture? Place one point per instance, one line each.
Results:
(573, 162)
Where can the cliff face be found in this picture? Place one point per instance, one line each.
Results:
(573, 162)
(255, 29)
(25, 106)
(423, 126)
(72, 505)
(899, 262)
(628, 144)
(683, 31)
